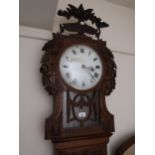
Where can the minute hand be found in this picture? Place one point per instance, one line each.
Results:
(91, 75)
(75, 59)
(87, 70)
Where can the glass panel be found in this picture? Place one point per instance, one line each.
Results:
(83, 112)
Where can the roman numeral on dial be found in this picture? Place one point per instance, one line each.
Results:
(95, 59)
(74, 52)
(81, 50)
(65, 66)
(68, 75)
(97, 66)
(83, 84)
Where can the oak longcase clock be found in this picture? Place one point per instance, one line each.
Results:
(79, 71)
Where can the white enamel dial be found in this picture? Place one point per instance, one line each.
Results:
(80, 67)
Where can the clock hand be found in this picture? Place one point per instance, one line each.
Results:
(90, 68)
(91, 75)
(74, 59)
(87, 70)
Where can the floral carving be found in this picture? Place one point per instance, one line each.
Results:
(82, 15)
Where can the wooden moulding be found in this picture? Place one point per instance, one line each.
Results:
(125, 146)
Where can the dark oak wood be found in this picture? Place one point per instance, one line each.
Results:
(71, 135)
(93, 146)
(125, 145)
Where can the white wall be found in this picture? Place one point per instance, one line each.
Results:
(121, 102)
(36, 105)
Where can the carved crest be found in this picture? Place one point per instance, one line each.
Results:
(82, 15)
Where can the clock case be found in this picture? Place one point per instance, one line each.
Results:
(79, 138)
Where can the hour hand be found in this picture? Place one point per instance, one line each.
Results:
(90, 68)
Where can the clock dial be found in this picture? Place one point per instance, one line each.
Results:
(80, 67)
